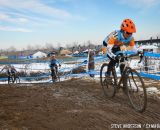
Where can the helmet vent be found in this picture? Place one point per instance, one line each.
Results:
(128, 26)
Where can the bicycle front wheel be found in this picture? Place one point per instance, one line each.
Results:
(108, 87)
(17, 80)
(136, 91)
(58, 76)
(11, 80)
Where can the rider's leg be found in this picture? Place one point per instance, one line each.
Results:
(56, 69)
(122, 68)
(14, 76)
(8, 79)
(52, 71)
(109, 69)
(111, 64)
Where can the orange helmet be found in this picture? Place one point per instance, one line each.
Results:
(128, 26)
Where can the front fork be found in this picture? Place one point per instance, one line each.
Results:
(123, 79)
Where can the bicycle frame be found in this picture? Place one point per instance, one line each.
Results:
(132, 86)
(54, 74)
(13, 77)
(53, 70)
(126, 64)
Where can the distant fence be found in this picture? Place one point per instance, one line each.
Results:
(28, 61)
(151, 66)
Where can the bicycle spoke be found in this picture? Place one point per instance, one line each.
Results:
(136, 91)
(108, 86)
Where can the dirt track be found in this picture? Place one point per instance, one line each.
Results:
(70, 105)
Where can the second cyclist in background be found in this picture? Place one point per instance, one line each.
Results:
(54, 63)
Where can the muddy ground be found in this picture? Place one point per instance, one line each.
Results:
(76, 104)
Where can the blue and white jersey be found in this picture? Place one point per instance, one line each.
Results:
(54, 62)
(118, 37)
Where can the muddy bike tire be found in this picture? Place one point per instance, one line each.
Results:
(17, 80)
(11, 80)
(108, 89)
(53, 76)
(136, 91)
(58, 77)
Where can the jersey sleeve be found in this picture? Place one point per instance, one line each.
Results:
(57, 62)
(132, 42)
(111, 40)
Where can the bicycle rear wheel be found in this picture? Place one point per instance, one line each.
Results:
(109, 87)
(136, 91)
(53, 79)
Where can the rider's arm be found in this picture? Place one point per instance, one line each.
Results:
(1, 70)
(58, 62)
(123, 48)
(50, 64)
(131, 45)
(14, 70)
(110, 45)
(105, 41)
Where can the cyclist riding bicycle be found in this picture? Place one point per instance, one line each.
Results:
(115, 42)
(11, 71)
(53, 63)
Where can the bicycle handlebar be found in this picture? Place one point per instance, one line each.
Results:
(125, 56)
(140, 54)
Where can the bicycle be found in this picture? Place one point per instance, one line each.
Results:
(55, 74)
(132, 83)
(13, 78)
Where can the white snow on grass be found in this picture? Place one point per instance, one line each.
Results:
(68, 67)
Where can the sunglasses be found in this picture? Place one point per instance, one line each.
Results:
(128, 33)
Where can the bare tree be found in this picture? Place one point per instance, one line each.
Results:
(2, 51)
(75, 45)
(49, 46)
(90, 45)
(29, 47)
(11, 49)
(73, 49)
(60, 48)
(68, 46)
(37, 47)
(58, 45)
(79, 48)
